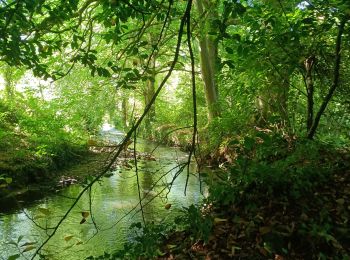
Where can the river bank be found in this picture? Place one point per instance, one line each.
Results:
(289, 205)
(29, 172)
(114, 207)
(46, 181)
(294, 206)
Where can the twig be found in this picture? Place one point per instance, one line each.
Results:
(160, 35)
(167, 134)
(181, 168)
(128, 135)
(138, 181)
(336, 74)
(90, 209)
(34, 222)
(194, 97)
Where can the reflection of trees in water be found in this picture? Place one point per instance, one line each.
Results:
(146, 182)
(127, 183)
(112, 199)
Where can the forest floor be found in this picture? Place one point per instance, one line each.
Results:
(307, 217)
(276, 230)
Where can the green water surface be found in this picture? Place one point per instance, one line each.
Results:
(114, 204)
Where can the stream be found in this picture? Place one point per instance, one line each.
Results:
(112, 200)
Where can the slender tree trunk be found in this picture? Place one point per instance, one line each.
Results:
(149, 92)
(209, 55)
(283, 104)
(125, 111)
(335, 84)
(309, 63)
(9, 82)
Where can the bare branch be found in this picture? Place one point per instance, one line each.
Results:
(128, 135)
(194, 97)
(336, 74)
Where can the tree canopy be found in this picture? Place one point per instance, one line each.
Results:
(237, 83)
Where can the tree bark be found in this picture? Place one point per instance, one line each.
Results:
(309, 63)
(273, 99)
(335, 84)
(125, 111)
(208, 56)
(149, 92)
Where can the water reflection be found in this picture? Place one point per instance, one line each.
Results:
(111, 199)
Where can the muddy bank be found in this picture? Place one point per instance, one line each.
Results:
(36, 184)
(16, 196)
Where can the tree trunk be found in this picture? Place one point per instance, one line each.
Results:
(309, 63)
(149, 92)
(335, 84)
(9, 82)
(208, 55)
(273, 100)
(125, 112)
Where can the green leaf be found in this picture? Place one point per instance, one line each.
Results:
(249, 143)
(28, 248)
(340, 201)
(265, 230)
(135, 51)
(219, 220)
(19, 238)
(29, 243)
(143, 43)
(68, 237)
(136, 225)
(13, 257)
(236, 36)
(45, 211)
(93, 70)
(229, 63)
(89, 179)
(144, 56)
(229, 50)
(308, 20)
(85, 214)
(11, 242)
(240, 50)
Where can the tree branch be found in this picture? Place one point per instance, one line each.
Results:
(335, 84)
(194, 97)
(128, 135)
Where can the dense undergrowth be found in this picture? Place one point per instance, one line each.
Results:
(277, 199)
(34, 141)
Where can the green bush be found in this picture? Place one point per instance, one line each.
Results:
(194, 221)
(144, 243)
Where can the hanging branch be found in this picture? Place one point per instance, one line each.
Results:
(283, 77)
(335, 84)
(180, 169)
(90, 209)
(128, 135)
(166, 135)
(138, 181)
(8, 21)
(284, 13)
(194, 100)
(160, 36)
